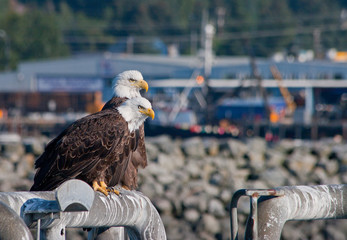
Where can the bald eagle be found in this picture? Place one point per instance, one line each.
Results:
(96, 149)
(128, 85)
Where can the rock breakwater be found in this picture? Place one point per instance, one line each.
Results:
(191, 181)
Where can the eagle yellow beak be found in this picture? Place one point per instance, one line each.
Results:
(149, 112)
(142, 84)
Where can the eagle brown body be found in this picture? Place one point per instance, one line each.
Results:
(86, 150)
(138, 157)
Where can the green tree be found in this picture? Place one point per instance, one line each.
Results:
(258, 26)
(33, 35)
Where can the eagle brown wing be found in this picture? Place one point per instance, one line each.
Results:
(138, 156)
(85, 150)
(114, 102)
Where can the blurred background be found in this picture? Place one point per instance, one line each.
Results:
(247, 94)
(233, 68)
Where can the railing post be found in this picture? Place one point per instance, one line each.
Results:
(252, 222)
(234, 226)
(254, 216)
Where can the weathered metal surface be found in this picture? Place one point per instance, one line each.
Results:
(55, 233)
(300, 203)
(131, 209)
(118, 233)
(75, 196)
(271, 208)
(254, 216)
(252, 221)
(12, 227)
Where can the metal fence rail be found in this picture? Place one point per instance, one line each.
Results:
(9, 219)
(76, 205)
(276, 206)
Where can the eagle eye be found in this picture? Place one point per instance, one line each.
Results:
(132, 80)
(140, 107)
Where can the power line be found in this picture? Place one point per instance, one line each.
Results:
(280, 33)
(102, 39)
(196, 25)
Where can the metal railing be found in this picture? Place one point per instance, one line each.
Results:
(272, 208)
(75, 205)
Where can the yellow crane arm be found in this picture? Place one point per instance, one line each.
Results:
(291, 106)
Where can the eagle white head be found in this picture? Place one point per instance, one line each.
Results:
(135, 111)
(128, 84)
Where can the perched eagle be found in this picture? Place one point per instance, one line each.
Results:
(96, 149)
(128, 85)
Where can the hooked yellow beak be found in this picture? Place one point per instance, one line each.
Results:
(142, 84)
(149, 112)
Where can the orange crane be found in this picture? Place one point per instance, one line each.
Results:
(291, 106)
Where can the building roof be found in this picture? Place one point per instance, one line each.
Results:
(160, 67)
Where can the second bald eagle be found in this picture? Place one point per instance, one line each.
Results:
(96, 149)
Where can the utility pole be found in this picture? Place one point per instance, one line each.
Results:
(209, 32)
(220, 20)
(130, 45)
(317, 43)
(204, 21)
(206, 99)
(193, 43)
(208, 54)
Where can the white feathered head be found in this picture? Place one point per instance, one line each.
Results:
(135, 111)
(128, 84)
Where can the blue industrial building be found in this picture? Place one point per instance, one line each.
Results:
(72, 83)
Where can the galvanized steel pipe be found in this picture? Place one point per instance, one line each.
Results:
(11, 225)
(132, 210)
(299, 203)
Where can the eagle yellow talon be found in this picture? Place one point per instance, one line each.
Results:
(112, 189)
(115, 191)
(101, 188)
(125, 187)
